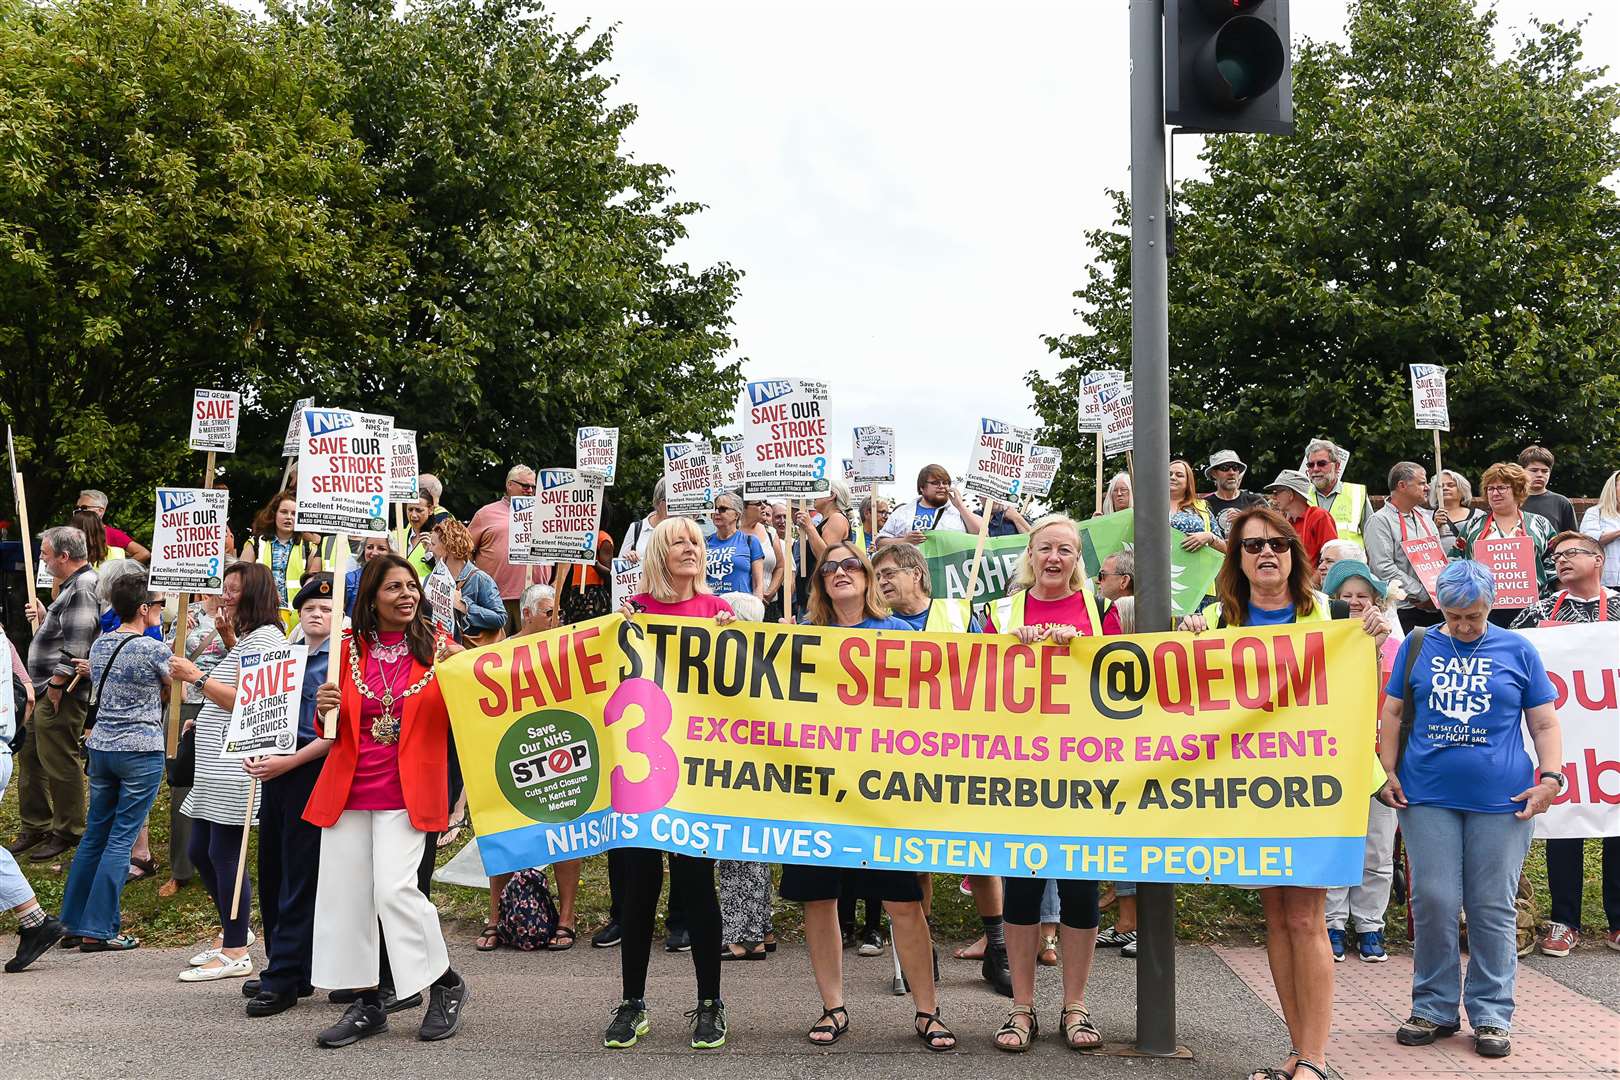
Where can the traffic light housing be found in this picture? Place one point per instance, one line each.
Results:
(1228, 66)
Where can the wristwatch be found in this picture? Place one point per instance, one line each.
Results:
(1556, 776)
(199, 680)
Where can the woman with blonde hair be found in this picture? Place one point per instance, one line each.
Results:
(1051, 602)
(672, 583)
(1602, 523)
(1452, 499)
(480, 616)
(1191, 515)
(835, 525)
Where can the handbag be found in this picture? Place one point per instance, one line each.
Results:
(95, 698)
(181, 770)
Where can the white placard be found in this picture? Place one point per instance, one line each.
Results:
(567, 516)
(295, 428)
(215, 415)
(626, 581)
(996, 468)
(1041, 470)
(520, 532)
(858, 488)
(785, 453)
(1091, 388)
(343, 472)
(730, 464)
(42, 577)
(439, 590)
(688, 479)
(402, 466)
(269, 686)
(188, 541)
(874, 454)
(1429, 410)
(1119, 420)
(596, 453)
(1580, 661)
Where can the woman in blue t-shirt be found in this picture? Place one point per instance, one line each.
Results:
(1466, 792)
(735, 559)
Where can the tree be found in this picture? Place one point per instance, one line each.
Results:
(180, 207)
(1437, 205)
(533, 292)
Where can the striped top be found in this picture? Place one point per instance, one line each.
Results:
(219, 793)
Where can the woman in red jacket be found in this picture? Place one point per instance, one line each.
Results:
(383, 788)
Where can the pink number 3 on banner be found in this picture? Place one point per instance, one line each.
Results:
(647, 739)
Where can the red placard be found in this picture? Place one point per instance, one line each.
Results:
(1513, 560)
(1428, 559)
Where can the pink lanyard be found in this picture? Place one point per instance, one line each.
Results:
(1603, 606)
(1417, 519)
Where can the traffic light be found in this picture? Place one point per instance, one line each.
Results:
(1227, 66)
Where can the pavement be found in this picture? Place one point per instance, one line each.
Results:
(541, 1015)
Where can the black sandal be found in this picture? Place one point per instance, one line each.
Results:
(933, 1033)
(563, 939)
(1026, 1036)
(1315, 1068)
(828, 1024)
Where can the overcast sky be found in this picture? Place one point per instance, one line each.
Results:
(905, 184)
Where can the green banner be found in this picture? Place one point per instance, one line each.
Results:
(1192, 573)
(950, 560)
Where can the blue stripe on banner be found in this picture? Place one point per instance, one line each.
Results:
(1309, 861)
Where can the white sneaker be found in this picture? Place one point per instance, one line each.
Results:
(213, 950)
(226, 968)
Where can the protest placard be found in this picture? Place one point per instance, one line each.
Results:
(858, 488)
(439, 591)
(596, 453)
(785, 440)
(731, 464)
(1091, 387)
(1428, 559)
(1100, 759)
(520, 533)
(1041, 470)
(1119, 418)
(567, 515)
(1513, 560)
(295, 428)
(1429, 410)
(402, 469)
(874, 454)
(188, 541)
(215, 415)
(950, 558)
(996, 467)
(1580, 661)
(626, 580)
(688, 479)
(269, 685)
(343, 472)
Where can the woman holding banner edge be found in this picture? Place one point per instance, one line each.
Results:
(1050, 602)
(673, 582)
(1265, 581)
(844, 592)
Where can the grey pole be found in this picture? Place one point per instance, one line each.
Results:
(1150, 375)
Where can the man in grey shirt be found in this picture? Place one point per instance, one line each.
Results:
(1403, 517)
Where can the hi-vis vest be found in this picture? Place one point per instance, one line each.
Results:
(948, 617)
(1010, 611)
(417, 556)
(113, 554)
(1320, 612)
(857, 532)
(1348, 506)
(263, 548)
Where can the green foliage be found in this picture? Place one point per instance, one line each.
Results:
(1436, 206)
(428, 214)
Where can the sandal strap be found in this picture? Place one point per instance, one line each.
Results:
(1311, 1065)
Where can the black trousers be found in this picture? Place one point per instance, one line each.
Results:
(846, 913)
(1566, 877)
(675, 920)
(289, 860)
(691, 881)
(1021, 902)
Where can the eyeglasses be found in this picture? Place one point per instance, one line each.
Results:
(1565, 554)
(1254, 545)
(85, 509)
(1500, 489)
(888, 573)
(1110, 573)
(1318, 464)
(527, 489)
(851, 565)
(1226, 468)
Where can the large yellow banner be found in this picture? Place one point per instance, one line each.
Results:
(1237, 756)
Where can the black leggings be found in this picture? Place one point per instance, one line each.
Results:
(691, 880)
(214, 849)
(1021, 902)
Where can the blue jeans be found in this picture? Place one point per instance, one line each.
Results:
(1467, 861)
(123, 787)
(14, 888)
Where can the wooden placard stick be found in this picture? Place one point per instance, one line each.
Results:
(789, 583)
(978, 552)
(1099, 472)
(182, 627)
(1437, 469)
(241, 856)
(340, 571)
(27, 540)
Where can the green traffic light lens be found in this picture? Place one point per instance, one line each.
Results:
(1249, 59)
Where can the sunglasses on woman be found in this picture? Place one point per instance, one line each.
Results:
(850, 565)
(1254, 545)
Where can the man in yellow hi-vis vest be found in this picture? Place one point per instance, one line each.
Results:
(904, 581)
(1348, 503)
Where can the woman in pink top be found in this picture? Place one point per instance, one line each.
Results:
(672, 583)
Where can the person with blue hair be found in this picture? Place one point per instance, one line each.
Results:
(1451, 744)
